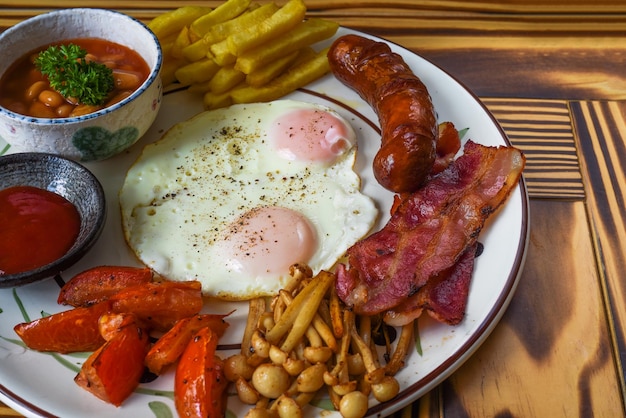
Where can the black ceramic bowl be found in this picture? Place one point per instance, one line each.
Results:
(72, 181)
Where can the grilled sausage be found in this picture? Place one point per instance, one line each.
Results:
(401, 101)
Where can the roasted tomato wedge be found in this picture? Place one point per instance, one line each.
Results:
(448, 144)
(65, 332)
(113, 371)
(199, 383)
(172, 344)
(99, 283)
(160, 304)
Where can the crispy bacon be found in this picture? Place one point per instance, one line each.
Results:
(444, 296)
(430, 230)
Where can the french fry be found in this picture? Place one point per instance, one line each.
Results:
(181, 42)
(221, 54)
(221, 31)
(197, 72)
(168, 70)
(305, 54)
(172, 22)
(200, 88)
(271, 45)
(286, 18)
(253, 14)
(293, 79)
(167, 44)
(196, 50)
(306, 33)
(216, 101)
(266, 74)
(225, 79)
(227, 10)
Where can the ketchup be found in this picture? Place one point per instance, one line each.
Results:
(36, 228)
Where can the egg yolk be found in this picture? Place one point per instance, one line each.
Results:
(266, 241)
(311, 135)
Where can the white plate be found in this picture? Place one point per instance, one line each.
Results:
(41, 385)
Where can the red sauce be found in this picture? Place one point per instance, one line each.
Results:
(36, 228)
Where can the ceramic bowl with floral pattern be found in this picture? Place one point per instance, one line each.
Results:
(93, 136)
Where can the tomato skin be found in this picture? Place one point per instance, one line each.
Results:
(172, 344)
(99, 283)
(160, 304)
(199, 382)
(69, 331)
(113, 371)
(448, 144)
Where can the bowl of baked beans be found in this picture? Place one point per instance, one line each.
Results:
(80, 117)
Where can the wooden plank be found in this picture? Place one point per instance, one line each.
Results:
(550, 355)
(400, 16)
(601, 128)
(543, 130)
(6, 412)
(491, 6)
(554, 71)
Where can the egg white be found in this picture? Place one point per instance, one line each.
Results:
(184, 190)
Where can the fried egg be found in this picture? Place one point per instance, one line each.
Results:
(233, 197)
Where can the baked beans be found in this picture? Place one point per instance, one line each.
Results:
(25, 90)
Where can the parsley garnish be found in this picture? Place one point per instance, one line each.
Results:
(72, 76)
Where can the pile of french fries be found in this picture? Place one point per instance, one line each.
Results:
(242, 52)
(306, 340)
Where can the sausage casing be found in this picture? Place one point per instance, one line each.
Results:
(402, 103)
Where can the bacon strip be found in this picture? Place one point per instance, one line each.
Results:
(430, 230)
(444, 296)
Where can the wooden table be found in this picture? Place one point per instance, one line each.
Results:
(552, 73)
